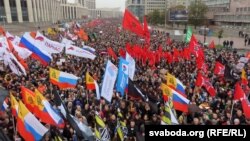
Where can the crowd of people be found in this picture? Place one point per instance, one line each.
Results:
(82, 103)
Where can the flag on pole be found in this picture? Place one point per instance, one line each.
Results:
(131, 23)
(108, 83)
(28, 126)
(168, 118)
(90, 82)
(188, 35)
(14, 105)
(122, 79)
(81, 130)
(101, 132)
(62, 79)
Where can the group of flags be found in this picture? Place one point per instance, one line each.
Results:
(174, 91)
(32, 109)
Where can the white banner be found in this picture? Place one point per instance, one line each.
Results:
(67, 42)
(131, 66)
(76, 51)
(109, 81)
(48, 45)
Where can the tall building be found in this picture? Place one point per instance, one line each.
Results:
(230, 12)
(137, 7)
(143, 7)
(19, 11)
(29, 10)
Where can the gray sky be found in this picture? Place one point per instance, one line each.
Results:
(110, 4)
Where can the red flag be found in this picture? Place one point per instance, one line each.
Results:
(122, 53)
(169, 57)
(186, 53)
(199, 80)
(246, 108)
(194, 47)
(169, 41)
(112, 53)
(219, 69)
(238, 92)
(176, 55)
(146, 31)
(132, 24)
(212, 45)
(203, 81)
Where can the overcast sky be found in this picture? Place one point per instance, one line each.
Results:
(110, 4)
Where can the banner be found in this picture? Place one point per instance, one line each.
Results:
(76, 51)
(131, 66)
(109, 81)
(47, 44)
(122, 80)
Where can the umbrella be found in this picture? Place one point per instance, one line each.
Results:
(193, 108)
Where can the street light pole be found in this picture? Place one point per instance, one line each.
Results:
(165, 11)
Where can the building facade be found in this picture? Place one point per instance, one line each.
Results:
(143, 7)
(105, 13)
(174, 3)
(137, 7)
(19, 11)
(236, 13)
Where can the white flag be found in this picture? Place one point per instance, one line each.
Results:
(109, 81)
(131, 66)
(76, 51)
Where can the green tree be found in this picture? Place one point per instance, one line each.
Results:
(154, 17)
(196, 13)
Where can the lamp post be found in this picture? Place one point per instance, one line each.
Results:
(205, 34)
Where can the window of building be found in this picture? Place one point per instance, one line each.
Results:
(248, 8)
(245, 9)
(13, 10)
(237, 9)
(2, 11)
(24, 10)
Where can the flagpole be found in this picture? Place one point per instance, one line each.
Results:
(232, 112)
(87, 98)
(14, 127)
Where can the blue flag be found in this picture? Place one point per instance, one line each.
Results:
(122, 80)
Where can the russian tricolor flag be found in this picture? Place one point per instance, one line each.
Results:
(62, 79)
(41, 55)
(5, 104)
(28, 126)
(179, 101)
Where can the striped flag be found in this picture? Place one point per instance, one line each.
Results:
(188, 35)
(101, 132)
(5, 105)
(168, 118)
(121, 127)
(14, 105)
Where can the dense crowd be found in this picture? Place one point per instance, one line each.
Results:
(82, 103)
